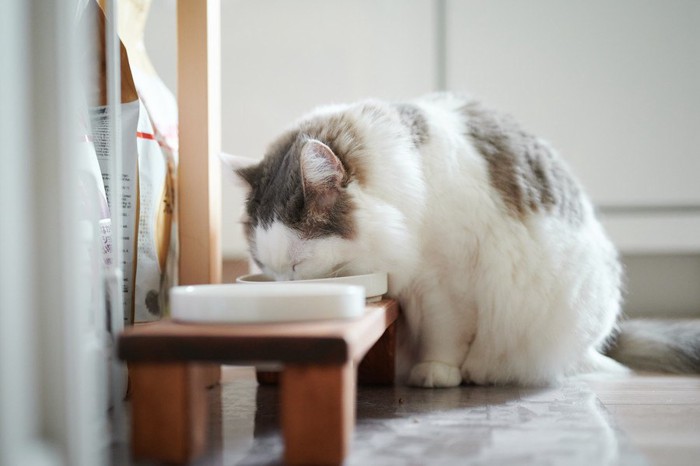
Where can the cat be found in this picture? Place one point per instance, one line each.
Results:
(503, 271)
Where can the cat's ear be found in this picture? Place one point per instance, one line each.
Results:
(322, 173)
(241, 171)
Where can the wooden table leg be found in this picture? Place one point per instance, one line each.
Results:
(379, 364)
(267, 377)
(318, 413)
(211, 375)
(168, 411)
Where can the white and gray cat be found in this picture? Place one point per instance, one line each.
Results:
(503, 272)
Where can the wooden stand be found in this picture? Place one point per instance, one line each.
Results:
(320, 359)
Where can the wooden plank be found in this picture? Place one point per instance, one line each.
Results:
(318, 413)
(169, 412)
(320, 342)
(230, 349)
(199, 173)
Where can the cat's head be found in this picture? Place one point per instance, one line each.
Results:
(339, 194)
(300, 215)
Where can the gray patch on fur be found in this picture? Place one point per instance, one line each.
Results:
(658, 345)
(413, 118)
(525, 172)
(277, 191)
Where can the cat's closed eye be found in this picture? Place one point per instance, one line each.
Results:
(296, 264)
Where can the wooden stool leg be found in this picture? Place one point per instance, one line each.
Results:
(318, 413)
(211, 375)
(267, 377)
(379, 364)
(168, 411)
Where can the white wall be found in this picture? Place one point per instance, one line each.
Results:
(615, 82)
(283, 58)
(614, 85)
(662, 285)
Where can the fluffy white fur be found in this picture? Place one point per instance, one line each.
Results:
(487, 297)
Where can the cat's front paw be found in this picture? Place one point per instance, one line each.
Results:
(433, 374)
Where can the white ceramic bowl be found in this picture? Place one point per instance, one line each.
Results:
(374, 284)
(275, 302)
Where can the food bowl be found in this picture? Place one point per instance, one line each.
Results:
(375, 285)
(274, 302)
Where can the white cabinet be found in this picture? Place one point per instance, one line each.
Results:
(615, 86)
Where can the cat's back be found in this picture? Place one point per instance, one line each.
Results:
(484, 152)
(454, 149)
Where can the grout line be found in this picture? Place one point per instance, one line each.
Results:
(619, 209)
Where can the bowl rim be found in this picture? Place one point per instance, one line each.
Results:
(242, 278)
(375, 284)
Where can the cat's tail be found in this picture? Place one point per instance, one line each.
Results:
(658, 345)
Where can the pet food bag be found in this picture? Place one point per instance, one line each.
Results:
(156, 246)
(100, 126)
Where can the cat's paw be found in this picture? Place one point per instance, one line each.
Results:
(433, 374)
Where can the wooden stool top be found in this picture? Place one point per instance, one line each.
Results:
(318, 342)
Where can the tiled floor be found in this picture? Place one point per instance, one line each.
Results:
(659, 413)
(596, 420)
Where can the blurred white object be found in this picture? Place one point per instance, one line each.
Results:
(278, 302)
(52, 341)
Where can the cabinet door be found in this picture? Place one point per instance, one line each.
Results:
(614, 86)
